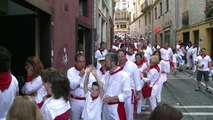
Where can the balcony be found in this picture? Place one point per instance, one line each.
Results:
(185, 18)
(209, 9)
(146, 5)
(121, 19)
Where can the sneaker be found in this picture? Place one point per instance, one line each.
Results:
(208, 91)
(198, 89)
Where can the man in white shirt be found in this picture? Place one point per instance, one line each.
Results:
(203, 63)
(76, 76)
(167, 56)
(147, 50)
(132, 70)
(100, 52)
(116, 86)
(130, 54)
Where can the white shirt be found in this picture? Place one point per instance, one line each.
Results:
(100, 74)
(147, 52)
(98, 55)
(152, 76)
(35, 86)
(117, 84)
(54, 107)
(203, 61)
(77, 82)
(175, 58)
(131, 57)
(154, 49)
(93, 108)
(133, 72)
(166, 54)
(115, 47)
(7, 97)
(189, 51)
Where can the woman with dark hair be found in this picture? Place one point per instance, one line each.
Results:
(8, 83)
(57, 106)
(165, 112)
(33, 85)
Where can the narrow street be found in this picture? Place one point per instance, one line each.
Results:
(179, 92)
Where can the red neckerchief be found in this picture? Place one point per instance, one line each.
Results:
(101, 49)
(203, 56)
(102, 70)
(124, 63)
(78, 68)
(93, 98)
(144, 48)
(29, 79)
(155, 46)
(135, 49)
(115, 45)
(130, 54)
(141, 62)
(5, 80)
(166, 48)
(120, 69)
(155, 66)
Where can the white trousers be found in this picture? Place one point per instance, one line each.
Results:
(110, 112)
(129, 107)
(152, 100)
(77, 107)
(162, 79)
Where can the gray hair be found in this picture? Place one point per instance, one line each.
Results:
(112, 57)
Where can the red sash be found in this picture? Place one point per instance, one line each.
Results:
(121, 110)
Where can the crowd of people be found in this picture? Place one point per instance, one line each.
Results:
(110, 90)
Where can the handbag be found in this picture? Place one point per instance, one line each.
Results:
(147, 90)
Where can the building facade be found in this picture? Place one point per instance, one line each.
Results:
(195, 23)
(121, 17)
(51, 30)
(155, 20)
(104, 21)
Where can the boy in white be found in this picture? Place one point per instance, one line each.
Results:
(101, 52)
(76, 76)
(132, 70)
(116, 90)
(167, 55)
(204, 67)
(93, 107)
(8, 83)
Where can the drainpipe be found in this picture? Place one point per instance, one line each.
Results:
(176, 19)
(94, 29)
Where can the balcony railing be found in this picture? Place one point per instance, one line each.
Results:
(185, 18)
(146, 5)
(209, 9)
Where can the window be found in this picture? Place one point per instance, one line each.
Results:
(161, 10)
(83, 7)
(156, 13)
(145, 20)
(149, 17)
(123, 26)
(167, 5)
(117, 26)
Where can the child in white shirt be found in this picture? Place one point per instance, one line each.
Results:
(93, 105)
